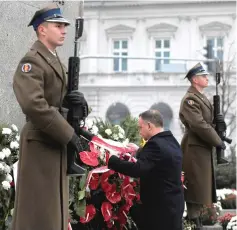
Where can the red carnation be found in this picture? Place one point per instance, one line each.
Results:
(89, 158)
(90, 213)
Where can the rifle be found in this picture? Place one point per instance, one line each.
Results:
(73, 80)
(220, 124)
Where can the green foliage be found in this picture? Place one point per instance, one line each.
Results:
(130, 126)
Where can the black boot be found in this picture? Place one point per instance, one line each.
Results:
(222, 161)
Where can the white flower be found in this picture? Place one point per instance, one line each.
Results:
(6, 131)
(89, 123)
(121, 135)
(94, 130)
(6, 185)
(6, 152)
(2, 155)
(14, 128)
(222, 193)
(14, 145)
(1, 167)
(8, 178)
(120, 129)
(115, 137)
(232, 225)
(126, 141)
(17, 137)
(108, 132)
(7, 168)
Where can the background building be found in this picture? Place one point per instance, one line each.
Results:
(136, 32)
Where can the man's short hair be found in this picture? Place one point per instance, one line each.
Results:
(153, 116)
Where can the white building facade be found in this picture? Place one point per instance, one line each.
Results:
(137, 32)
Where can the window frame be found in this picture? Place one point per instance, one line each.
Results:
(162, 50)
(215, 47)
(120, 52)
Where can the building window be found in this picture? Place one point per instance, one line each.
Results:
(166, 113)
(116, 113)
(120, 48)
(162, 50)
(217, 46)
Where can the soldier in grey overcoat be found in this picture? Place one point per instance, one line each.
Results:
(40, 85)
(196, 114)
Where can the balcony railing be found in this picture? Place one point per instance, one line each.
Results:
(104, 64)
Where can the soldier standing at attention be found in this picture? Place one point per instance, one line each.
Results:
(39, 84)
(196, 113)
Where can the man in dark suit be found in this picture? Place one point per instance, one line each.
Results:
(159, 168)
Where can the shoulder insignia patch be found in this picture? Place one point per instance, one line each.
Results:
(26, 68)
(190, 102)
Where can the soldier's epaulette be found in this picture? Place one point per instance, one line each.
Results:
(32, 52)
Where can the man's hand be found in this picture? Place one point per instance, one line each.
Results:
(106, 156)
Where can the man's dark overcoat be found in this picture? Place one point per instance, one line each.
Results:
(42, 185)
(159, 168)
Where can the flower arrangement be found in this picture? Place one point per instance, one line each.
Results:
(103, 197)
(227, 197)
(232, 225)
(188, 225)
(9, 150)
(211, 213)
(224, 220)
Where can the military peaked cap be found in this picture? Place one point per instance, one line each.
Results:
(51, 13)
(196, 70)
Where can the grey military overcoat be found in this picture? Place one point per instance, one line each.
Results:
(196, 113)
(42, 186)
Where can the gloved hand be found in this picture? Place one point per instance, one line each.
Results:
(220, 123)
(75, 143)
(220, 118)
(75, 98)
(222, 146)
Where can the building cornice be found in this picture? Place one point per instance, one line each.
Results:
(116, 4)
